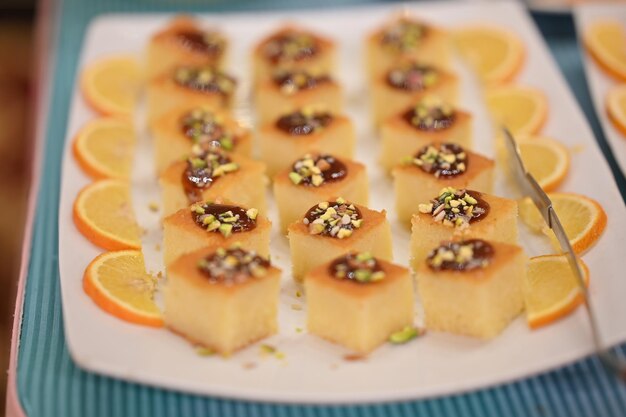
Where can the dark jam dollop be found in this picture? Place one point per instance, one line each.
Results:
(204, 127)
(403, 35)
(430, 115)
(233, 266)
(357, 267)
(290, 46)
(412, 77)
(209, 42)
(445, 160)
(304, 122)
(290, 82)
(461, 256)
(336, 219)
(315, 170)
(205, 79)
(223, 218)
(204, 169)
(456, 208)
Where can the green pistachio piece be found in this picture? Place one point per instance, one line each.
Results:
(295, 178)
(252, 213)
(362, 275)
(405, 335)
(226, 229)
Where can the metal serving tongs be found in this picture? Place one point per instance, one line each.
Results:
(531, 188)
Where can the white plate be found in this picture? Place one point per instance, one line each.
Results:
(599, 81)
(313, 370)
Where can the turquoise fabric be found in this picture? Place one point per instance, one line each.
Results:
(49, 384)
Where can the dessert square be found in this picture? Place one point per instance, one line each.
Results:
(429, 121)
(472, 287)
(435, 167)
(176, 132)
(405, 37)
(406, 83)
(358, 301)
(184, 42)
(190, 86)
(289, 90)
(212, 175)
(461, 214)
(332, 228)
(212, 225)
(293, 48)
(314, 178)
(304, 131)
(222, 299)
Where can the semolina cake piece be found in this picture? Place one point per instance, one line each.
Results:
(214, 224)
(188, 86)
(434, 167)
(223, 299)
(406, 37)
(406, 83)
(306, 130)
(290, 90)
(472, 287)
(429, 121)
(461, 214)
(358, 301)
(211, 175)
(184, 42)
(314, 178)
(332, 228)
(175, 133)
(293, 48)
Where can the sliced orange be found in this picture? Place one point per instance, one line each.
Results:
(119, 284)
(103, 214)
(606, 42)
(551, 290)
(583, 219)
(616, 107)
(546, 159)
(111, 85)
(496, 54)
(523, 110)
(104, 148)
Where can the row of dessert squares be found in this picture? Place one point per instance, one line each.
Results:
(216, 233)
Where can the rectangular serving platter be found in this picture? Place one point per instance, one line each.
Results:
(314, 371)
(599, 81)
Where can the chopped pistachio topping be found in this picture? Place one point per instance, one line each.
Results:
(361, 267)
(431, 113)
(403, 35)
(455, 208)
(315, 170)
(404, 335)
(291, 82)
(234, 265)
(208, 165)
(461, 256)
(443, 160)
(290, 45)
(207, 128)
(412, 77)
(337, 219)
(205, 79)
(222, 218)
(305, 121)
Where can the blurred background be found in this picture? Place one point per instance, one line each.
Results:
(16, 103)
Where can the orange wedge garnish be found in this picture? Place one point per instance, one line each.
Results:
(103, 214)
(546, 159)
(606, 42)
(583, 219)
(551, 290)
(495, 54)
(616, 107)
(118, 283)
(523, 110)
(104, 148)
(111, 85)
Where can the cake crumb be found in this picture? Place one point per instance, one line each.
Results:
(298, 294)
(157, 247)
(296, 307)
(299, 329)
(153, 207)
(578, 148)
(203, 351)
(353, 357)
(249, 365)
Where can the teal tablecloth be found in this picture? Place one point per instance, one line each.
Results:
(49, 384)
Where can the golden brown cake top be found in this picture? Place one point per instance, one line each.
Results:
(206, 79)
(465, 255)
(412, 76)
(290, 45)
(456, 208)
(233, 266)
(223, 218)
(337, 219)
(317, 169)
(441, 160)
(292, 81)
(361, 268)
(403, 35)
(203, 169)
(304, 122)
(207, 128)
(430, 114)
